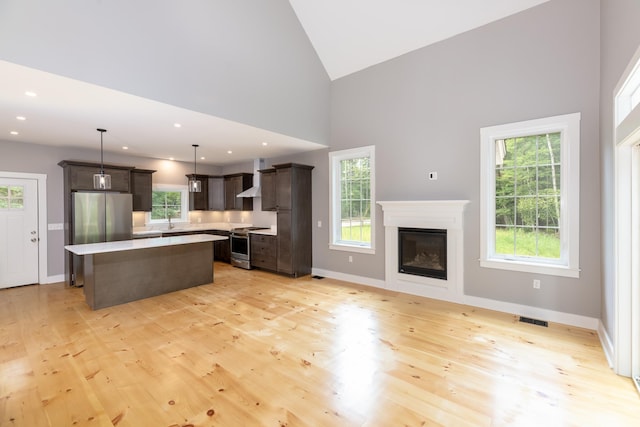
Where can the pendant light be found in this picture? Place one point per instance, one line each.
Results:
(195, 185)
(100, 180)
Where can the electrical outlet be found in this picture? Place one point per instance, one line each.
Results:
(319, 224)
(433, 176)
(536, 284)
(350, 258)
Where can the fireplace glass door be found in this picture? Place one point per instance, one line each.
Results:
(422, 252)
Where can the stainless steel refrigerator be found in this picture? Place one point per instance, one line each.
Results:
(99, 217)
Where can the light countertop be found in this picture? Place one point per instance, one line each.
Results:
(129, 245)
(188, 227)
(184, 227)
(266, 232)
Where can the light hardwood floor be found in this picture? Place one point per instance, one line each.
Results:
(257, 349)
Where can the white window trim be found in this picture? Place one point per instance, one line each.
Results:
(569, 126)
(625, 354)
(184, 203)
(627, 96)
(334, 196)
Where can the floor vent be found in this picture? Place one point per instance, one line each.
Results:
(317, 277)
(534, 321)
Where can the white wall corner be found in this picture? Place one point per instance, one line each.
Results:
(605, 341)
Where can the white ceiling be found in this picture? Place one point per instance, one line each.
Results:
(348, 35)
(65, 112)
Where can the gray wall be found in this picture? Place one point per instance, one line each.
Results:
(247, 61)
(423, 112)
(620, 38)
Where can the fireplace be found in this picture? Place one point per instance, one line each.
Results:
(423, 252)
(445, 279)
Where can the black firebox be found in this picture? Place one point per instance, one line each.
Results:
(422, 252)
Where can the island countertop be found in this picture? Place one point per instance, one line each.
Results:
(129, 245)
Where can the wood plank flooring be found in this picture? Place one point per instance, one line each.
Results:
(257, 349)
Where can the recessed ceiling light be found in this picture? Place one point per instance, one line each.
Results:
(177, 125)
(229, 152)
(171, 158)
(14, 132)
(31, 94)
(264, 144)
(125, 148)
(21, 118)
(202, 158)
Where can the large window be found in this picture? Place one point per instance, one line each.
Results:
(169, 201)
(351, 199)
(530, 196)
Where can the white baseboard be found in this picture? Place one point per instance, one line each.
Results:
(534, 312)
(349, 278)
(502, 306)
(53, 279)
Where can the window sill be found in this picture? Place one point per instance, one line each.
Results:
(352, 248)
(549, 269)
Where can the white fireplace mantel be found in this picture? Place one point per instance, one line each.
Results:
(432, 214)
(424, 213)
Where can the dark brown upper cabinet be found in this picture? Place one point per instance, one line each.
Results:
(142, 189)
(216, 193)
(235, 184)
(78, 176)
(199, 201)
(268, 189)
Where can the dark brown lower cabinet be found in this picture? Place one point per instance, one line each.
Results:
(285, 243)
(263, 251)
(221, 248)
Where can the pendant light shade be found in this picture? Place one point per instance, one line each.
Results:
(100, 180)
(195, 186)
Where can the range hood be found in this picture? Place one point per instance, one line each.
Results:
(255, 190)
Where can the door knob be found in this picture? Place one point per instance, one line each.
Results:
(33, 239)
(33, 232)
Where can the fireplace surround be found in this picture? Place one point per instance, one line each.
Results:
(442, 215)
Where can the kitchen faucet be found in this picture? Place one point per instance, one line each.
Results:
(170, 225)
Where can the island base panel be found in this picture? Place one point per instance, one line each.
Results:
(113, 278)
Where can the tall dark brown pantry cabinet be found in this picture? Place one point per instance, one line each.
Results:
(293, 206)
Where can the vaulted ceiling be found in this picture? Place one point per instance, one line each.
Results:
(348, 36)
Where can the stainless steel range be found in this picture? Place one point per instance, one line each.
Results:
(241, 246)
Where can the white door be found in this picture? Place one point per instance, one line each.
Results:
(18, 232)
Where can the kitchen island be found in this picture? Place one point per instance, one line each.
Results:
(129, 270)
